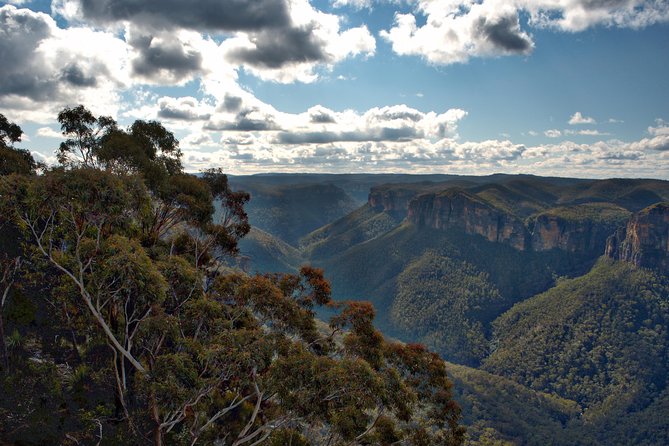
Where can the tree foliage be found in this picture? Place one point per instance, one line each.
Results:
(12, 159)
(133, 333)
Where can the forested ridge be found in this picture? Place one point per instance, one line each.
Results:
(121, 323)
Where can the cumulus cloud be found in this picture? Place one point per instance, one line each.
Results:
(553, 133)
(183, 109)
(246, 120)
(279, 40)
(44, 67)
(577, 118)
(211, 15)
(321, 115)
(355, 4)
(197, 139)
(314, 40)
(579, 15)
(658, 143)
(456, 30)
(48, 132)
(334, 150)
(269, 51)
(587, 132)
(163, 57)
(661, 128)
(395, 123)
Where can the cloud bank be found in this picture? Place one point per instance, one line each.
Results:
(457, 30)
(113, 54)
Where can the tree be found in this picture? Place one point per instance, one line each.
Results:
(146, 147)
(84, 134)
(193, 355)
(9, 269)
(13, 160)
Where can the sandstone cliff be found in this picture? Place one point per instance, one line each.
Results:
(395, 200)
(580, 228)
(455, 208)
(644, 241)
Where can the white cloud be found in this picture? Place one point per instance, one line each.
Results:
(315, 42)
(453, 36)
(362, 151)
(48, 132)
(45, 68)
(661, 128)
(553, 133)
(49, 160)
(592, 133)
(586, 132)
(183, 109)
(197, 139)
(579, 15)
(577, 118)
(456, 30)
(355, 4)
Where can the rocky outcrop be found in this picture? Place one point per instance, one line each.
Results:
(579, 229)
(552, 232)
(395, 200)
(644, 241)
(455, 208)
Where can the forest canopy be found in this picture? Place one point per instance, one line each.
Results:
(120, 324)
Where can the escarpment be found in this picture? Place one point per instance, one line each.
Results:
(395, 201)
(581, 229)
(644, 241)
(455, 208)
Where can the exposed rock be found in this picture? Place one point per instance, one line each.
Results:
(645, 239)
(582, 228)
(455, 208)
(395, 200)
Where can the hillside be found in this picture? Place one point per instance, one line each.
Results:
(499, 411)
(262, 252)
(479, 269)
(361, 225)
(601, 340)
(291, 211)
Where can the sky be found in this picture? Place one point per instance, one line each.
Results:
(548, 87)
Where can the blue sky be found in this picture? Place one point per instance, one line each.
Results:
(549, 87)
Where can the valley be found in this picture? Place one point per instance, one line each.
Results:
(549, 297)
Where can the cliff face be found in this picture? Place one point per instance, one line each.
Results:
(583, 236)
(459, 209)
(395, 201)
(645, 239)
(581, 229)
